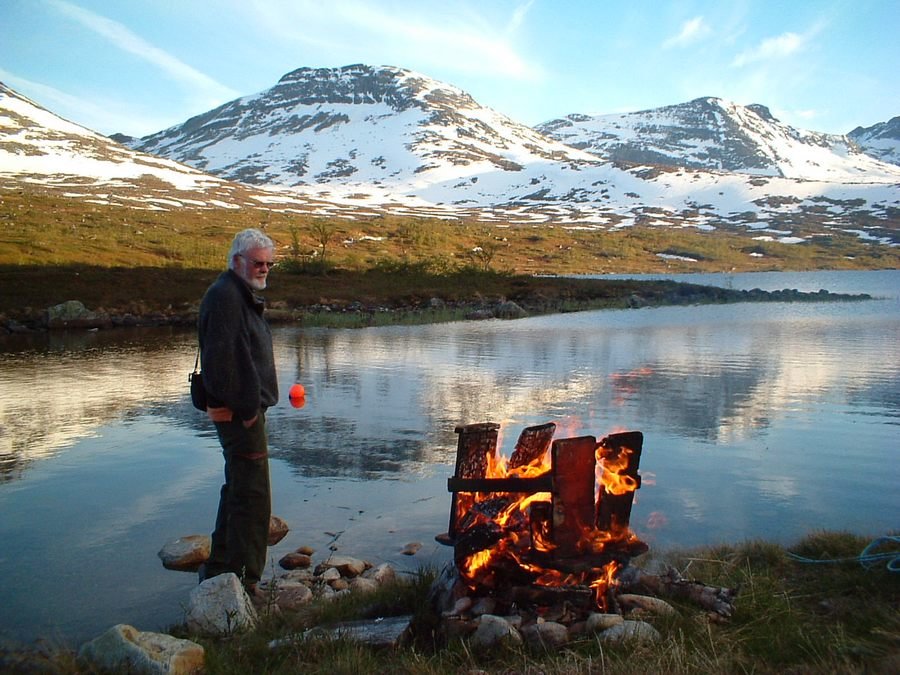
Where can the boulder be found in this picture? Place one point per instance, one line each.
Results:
(278, 529)
(509, 310)
(363, 585)
(546, 634)
(381, 574)
(220, 606)
(123, 648)
(291, 595)
(347, 566)
(638, 631)
(73, 314)
(185, 554)
(646, 603)
(295, 560)
(411, 548)
(329, 574)
(597, 622)
(493, 631)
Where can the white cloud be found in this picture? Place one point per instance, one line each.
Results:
(518, 16)
(772, 48)
(691, 31)
(126, 40)
(400, 35)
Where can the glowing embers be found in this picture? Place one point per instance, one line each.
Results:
(556, 514)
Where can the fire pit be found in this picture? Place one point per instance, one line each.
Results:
(552, 520)
(542, 545)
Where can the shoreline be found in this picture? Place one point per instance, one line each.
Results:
(35, 300)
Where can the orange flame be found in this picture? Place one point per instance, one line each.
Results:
(519, 535)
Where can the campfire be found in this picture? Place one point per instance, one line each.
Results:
(555, 515)
(543, 538)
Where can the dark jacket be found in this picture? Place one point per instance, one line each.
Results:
(236, 348)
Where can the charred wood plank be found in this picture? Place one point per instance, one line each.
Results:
(533, 444)
(475, 444)
(542, 483)
(580, 596)
(574, 462)
(621, 457)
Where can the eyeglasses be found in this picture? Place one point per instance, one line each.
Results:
(258, 264)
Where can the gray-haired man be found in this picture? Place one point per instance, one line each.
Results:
(239, 376)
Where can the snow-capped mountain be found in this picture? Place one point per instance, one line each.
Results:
(385, 127)
(880, 140)
(45, 151)
(717, 135)
(360, 141)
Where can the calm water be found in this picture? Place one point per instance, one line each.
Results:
(760, 420)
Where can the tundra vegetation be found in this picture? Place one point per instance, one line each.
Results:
(54, 249)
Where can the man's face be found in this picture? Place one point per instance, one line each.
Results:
(253, 266)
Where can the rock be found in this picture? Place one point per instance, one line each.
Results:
(381, 574)
(454, 627)
(546, 634)
(461, 606)
(411, 548)
(220, 606)
(292, 595)
(597, 622)
(493, 631)
(292, 561)
(639, 631)
(484, 605)
(304, 576)
(363, 585)
(306, 550)
(386, 632)
(278, 530)
(330, 574)
(509, 310)
(339, 584)
(73, 314)
(348, 567)
(185, 554)
(123, 648)
(446, 589)
(648, 603)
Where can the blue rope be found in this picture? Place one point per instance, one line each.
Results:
(867, 558)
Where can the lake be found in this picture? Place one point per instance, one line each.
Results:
(760, 420)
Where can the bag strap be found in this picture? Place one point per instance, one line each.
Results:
(197, 360)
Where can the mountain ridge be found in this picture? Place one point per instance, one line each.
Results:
(363, 141)
(713, 134)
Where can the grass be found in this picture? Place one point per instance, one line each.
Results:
(42, 229)
(54, 249)
(791, 617)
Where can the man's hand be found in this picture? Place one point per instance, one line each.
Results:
(220, 414)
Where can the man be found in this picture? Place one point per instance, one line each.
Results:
(239, 377)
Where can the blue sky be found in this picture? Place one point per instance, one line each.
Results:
(139, 66)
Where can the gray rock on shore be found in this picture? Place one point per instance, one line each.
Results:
(123, 648)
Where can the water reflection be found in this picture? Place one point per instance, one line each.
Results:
(754, 416)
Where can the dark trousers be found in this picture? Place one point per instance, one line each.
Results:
(240, 539)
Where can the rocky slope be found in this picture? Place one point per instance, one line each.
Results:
(880, 140)
(716, 135)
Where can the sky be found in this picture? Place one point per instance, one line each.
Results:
(140, 66)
